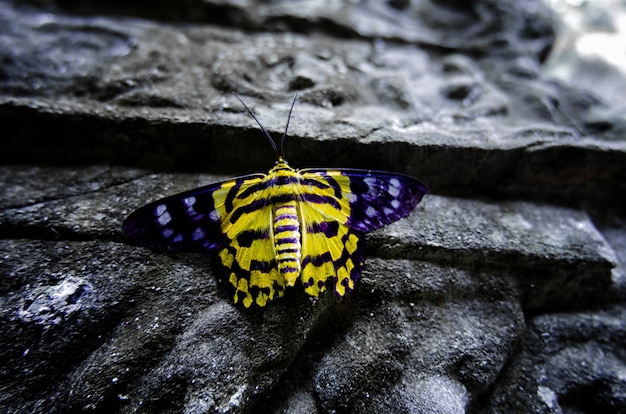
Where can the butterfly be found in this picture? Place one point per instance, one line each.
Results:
(267, 232)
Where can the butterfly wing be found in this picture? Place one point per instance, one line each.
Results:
(370, 199)
(332, 253)
(191, 221)
(246, 263)
(341, 205)
(232, 219)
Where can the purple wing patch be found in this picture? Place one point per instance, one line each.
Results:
(180, 223)
(185, 222)
(380, 198)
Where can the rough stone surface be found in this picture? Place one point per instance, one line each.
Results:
(502, 292)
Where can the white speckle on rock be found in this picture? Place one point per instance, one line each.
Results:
(548, 396)
(235, 399)
(51, 305)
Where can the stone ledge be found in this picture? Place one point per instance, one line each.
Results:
(452, 311)
(557, 256)
(120, 325)
(158, 96)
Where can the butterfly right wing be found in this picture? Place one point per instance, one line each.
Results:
(370, 199)
(341, 205)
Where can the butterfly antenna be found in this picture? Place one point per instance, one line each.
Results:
(282, 139)
(258, 122)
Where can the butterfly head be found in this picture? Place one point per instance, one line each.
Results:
(279, 155)
(281, 168)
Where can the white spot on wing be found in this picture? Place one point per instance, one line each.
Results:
(371, 185)
(161, 209)
(394, 187)
(388, 211)
(214, 215)
(370, 212)
(167, 233)
(198, 234)
(164, 218)
(189, 201)
(395, 203)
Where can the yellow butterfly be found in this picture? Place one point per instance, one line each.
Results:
(270, 231)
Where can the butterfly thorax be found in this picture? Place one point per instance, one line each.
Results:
(283, 191)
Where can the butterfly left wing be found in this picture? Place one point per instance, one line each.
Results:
(338, 206)
(190, 221)
(231, 219)
(246, 264)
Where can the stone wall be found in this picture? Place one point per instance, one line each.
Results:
(502, 292)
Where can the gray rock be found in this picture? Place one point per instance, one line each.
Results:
(502, 292)
(566, 363)
(146, 83)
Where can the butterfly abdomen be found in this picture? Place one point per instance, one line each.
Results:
(287, 242)
(282, 182)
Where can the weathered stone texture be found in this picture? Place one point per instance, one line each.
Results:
(502, 292)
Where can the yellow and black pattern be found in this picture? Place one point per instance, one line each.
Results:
(271, 231)
(285, 229)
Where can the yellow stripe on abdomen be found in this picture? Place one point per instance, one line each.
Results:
(287, 238)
